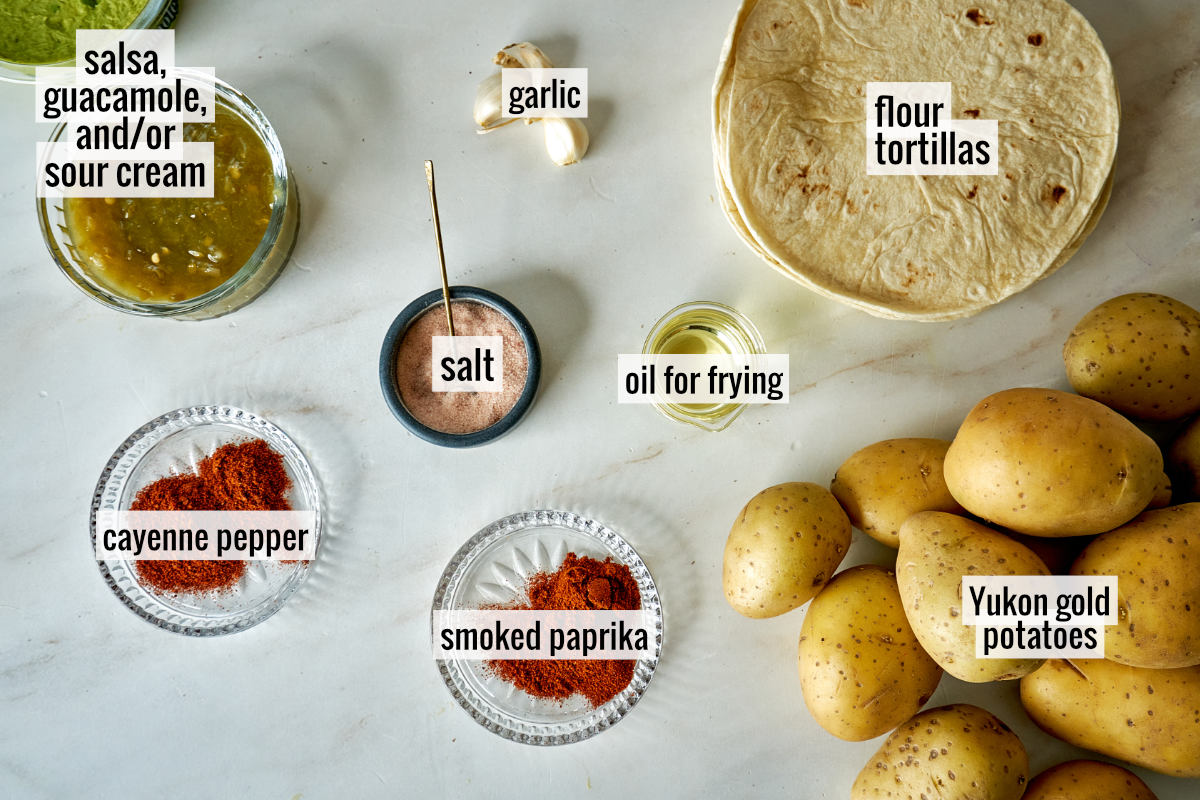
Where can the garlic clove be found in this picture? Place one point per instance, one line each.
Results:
(566, 139)
(523, 55)
(488, 112)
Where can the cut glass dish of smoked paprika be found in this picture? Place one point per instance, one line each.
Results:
(549, 560)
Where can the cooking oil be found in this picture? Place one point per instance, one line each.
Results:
(703, 328)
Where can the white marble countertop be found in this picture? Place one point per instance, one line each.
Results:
(338, 695)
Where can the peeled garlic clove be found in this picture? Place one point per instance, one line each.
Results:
(488, 112)
(566, 140)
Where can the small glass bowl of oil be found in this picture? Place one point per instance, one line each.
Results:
(703, 328)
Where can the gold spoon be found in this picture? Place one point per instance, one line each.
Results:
(437, 232)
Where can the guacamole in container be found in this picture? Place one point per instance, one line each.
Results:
(41, 33)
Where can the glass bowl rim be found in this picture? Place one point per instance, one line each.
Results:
(755, 335)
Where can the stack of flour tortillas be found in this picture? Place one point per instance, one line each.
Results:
(789, 142)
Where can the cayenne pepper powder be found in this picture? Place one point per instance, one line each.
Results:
(580, 584)
(245, 476)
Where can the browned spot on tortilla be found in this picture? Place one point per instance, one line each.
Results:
(1036, 39)
(913, 273)
(858, 3)
(799, 180)
(973, 113)
(978, 17)
(1054, 194)
(971, 194)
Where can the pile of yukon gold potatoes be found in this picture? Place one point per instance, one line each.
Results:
(1035, 482)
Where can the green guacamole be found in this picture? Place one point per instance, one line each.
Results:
(43, 31)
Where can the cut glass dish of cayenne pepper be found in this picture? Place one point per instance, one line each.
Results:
(217, 458)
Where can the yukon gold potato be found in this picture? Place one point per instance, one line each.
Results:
(784, 546)
(1057, 553)
(936, 551)
(862, 670)
(1140, 354)
(1162, 492)
(1050, 463)
(1184, 461)
(1088, 780)
(885, 483)
(1156, 559)
(1148, 717)
(958, 752)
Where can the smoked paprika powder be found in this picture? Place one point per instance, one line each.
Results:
(240, 476)
(580, 584)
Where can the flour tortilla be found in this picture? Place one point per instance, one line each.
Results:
(789, 141)
(728, 206)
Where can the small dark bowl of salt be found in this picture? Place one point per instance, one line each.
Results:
(458, 418)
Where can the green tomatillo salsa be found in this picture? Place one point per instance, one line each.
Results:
(43, 31)
(167, 250)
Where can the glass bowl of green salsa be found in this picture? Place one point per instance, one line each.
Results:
(186, 257)
(41, 33)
